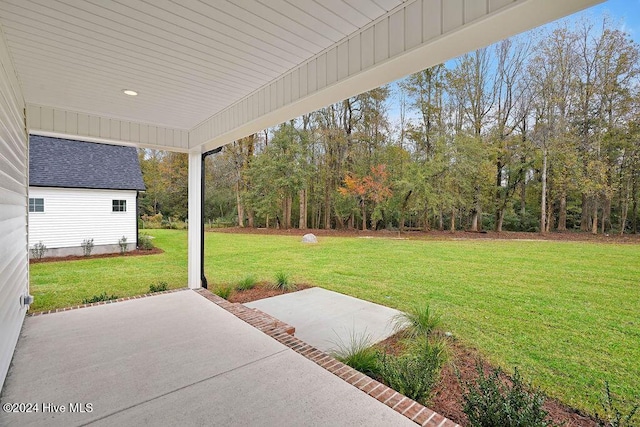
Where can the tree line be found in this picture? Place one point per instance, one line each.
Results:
(538, 132)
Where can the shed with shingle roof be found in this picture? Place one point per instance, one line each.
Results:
(81, 191)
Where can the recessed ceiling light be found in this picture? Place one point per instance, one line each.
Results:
(129, 92)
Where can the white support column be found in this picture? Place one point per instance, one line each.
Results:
(195, 218)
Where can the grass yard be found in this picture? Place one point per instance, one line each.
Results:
(566, 313)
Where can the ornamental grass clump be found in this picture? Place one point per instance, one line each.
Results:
(359, 354)
(419, 321)
(249, 282)
(283, 282)
(416, 373)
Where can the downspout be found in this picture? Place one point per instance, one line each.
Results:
(203, 278)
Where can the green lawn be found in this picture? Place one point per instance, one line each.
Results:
(567, 314)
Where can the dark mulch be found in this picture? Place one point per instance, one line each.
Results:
(447, 399)
(260, 291)
(137, 252)
(573, 236)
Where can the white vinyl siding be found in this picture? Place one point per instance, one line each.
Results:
(14, 255)
(74, 214)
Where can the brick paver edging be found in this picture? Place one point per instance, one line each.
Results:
(283, 333)
(75, 307)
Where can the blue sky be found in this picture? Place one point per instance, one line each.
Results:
(625, 13)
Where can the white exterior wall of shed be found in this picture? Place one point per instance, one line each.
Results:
(14, 167)
(72, 215)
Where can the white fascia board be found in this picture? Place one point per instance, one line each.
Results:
(415, 36)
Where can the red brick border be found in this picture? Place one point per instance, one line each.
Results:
(283, 333)
(75, 307)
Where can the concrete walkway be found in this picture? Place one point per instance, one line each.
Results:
(173, 359)
(325, 319)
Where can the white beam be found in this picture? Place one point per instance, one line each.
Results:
(61, 123)
(195, 219)
(415, 36)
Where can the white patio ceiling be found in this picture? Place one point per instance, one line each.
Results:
(210, 71)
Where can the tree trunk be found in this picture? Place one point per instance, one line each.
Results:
(634, 210)
(240, 207)
(594, 224)
(267, 221)
(543, 201)
(499, 219)
(474, 220)
(624, 210)
(288, 202)
(327, 210)
(364, 215)
(302, 223)
(440, 220)
(498, 199)
(606, 215)
(585, 214)
(453, 221)
(562, 216)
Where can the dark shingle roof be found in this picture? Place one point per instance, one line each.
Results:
(55, 162)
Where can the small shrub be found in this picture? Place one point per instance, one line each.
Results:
(39, 250)
(162, 286)
(247, 283)
(491, 402)
(223, 291)
(416, 373)
(98, 298)
(359, 354)
(283, 283)
(144, 242)
(419, 321)
(613, 415)
(87, 246)
(123, 245)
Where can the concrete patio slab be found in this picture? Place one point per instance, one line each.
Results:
(172, 359)
(325, 318)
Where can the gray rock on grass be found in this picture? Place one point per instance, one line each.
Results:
(309, 238)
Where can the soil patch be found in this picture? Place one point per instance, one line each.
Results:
(571, 236)
(260, 291)
(447, 399)
(137, 252)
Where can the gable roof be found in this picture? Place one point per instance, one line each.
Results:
(56, 162)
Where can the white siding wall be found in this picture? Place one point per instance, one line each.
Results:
(74, 214)
(14, 165)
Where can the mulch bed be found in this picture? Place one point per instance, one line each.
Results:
(260, 291)
(571, 236)
(447, 398)
(137, 252)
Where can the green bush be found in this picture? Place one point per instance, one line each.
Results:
(247, 283)
(419, 321)
(613, 415)
(39, 250)
(87, 246)
(144, 242)
(359, 354)
(98, 298)
(123, 245)
(223, 291)
(283, 282)
(416, 373)
(162, 286)
(490, 401)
